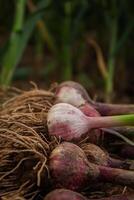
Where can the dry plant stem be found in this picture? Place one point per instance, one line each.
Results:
(116, 163)
(113, 109)
(114, 132)
(13, 196)
(117, 176)
(129, 130)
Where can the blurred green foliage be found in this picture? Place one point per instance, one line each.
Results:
(58, 33)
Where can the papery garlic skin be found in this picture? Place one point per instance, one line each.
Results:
(69, 167)
(95, 154)
(70, 95)
(74, 94)
(66, 121)
(78, 87)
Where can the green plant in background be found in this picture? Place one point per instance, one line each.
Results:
(112, 11)
(115, 42)
(62, 27)
(44, 33)
(18, 40)
(66, 54)
(113, 32)
(11, 57)
(65, 18)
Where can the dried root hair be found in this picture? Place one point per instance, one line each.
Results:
(25, 144)
(23, 158)
(35, 100)
(8, 93)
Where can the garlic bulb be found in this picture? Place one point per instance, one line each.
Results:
(66, 121)
(69, 122)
